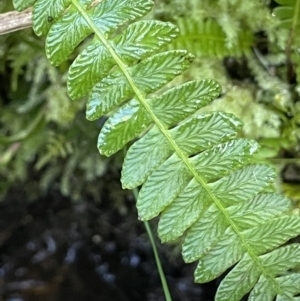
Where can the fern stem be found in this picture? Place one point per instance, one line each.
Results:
(178, 151)
(157, 259)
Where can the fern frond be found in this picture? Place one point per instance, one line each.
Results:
(206, 37)
(288, 13)
(195, 173)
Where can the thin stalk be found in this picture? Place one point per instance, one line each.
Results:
(157, 259)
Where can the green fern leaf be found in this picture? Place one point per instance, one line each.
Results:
(187, 207)
(44, 14)
(105, 18)
(136, 166)
(191, 136)
(150, 74)
(95, 62)
(195, 173)
(208, 38)
(288, 13)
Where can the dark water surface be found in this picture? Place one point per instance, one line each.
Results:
(53, 249)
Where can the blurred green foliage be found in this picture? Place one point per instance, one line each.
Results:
(45, 140)
(46, 143)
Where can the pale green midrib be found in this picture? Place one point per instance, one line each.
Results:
(164, 131)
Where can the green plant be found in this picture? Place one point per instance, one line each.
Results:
(50, 138)
(195, 173)
(288, 13)
(206, 37)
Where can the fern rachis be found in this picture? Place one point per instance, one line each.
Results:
(194, 172)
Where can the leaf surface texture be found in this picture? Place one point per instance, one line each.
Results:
(196, 174)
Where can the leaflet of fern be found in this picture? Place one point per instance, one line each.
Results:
(194, 171)
(95, 62)
(207, 38)
(289, 13)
